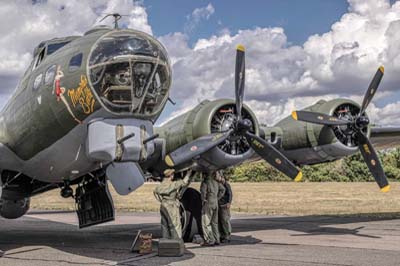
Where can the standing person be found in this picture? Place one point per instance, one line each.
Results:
(224, 211)
(168, 194)
(211, 192)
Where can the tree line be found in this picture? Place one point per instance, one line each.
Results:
(349, 169)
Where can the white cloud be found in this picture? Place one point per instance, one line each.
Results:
(281, 76)
(199, 14)
(134, 14)
(388, 115)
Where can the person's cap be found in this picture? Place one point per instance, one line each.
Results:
(169, 172)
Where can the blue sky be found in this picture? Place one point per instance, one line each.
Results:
(300, 19)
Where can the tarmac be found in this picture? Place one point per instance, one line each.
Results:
(53, 238)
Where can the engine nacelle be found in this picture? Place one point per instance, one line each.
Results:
(307, 143)
(12, 209)
(209, 117)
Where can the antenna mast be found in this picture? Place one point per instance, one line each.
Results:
(116, 18)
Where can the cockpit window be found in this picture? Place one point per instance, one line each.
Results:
(130, 73)
(39, 58)
(75, 62)
(51, 48)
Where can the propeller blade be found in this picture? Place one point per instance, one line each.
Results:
(318, 118)
(373, 162)
(195, 148)
(373, 86)
(269, 153)
(239, 79)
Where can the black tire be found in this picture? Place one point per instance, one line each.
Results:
(191, 201)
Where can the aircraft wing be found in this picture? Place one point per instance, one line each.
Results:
(385, 138)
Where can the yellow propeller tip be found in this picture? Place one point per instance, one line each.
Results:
(240, 48)
(294, 115)
(169, 161)
(385, 189)
(382, 69)
(299, 177)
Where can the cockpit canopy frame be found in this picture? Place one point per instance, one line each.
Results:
(130, 73)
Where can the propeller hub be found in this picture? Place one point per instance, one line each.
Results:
(244, 125)
(362, 122)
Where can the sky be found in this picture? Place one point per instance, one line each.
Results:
(297, 52)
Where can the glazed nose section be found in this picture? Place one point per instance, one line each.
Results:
(130, 73)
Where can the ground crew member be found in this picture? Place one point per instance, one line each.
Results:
(168, 194)
(224, 211)
(211, 192)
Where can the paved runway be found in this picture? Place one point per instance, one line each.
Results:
(52, 238)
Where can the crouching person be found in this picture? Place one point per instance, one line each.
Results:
(168, 194)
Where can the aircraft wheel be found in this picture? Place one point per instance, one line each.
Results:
(191, 214)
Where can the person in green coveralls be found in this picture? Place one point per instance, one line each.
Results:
(211, 191)
(168, 194)
(224, 210)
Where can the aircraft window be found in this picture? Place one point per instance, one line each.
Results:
(157, 91)
(113, 84)
(273, 138)
(130, 73)
(37, 82)
(131, 87)
(39, 58)
(141, 73)
(49, 76)
(75, 62)
(114, 47)
(51, 48)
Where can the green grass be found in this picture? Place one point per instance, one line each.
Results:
(283, 198)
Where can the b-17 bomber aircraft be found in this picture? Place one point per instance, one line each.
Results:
(84, 113)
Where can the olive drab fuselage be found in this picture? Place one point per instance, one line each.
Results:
(54, 96)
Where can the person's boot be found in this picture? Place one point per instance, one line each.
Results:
(207, 244)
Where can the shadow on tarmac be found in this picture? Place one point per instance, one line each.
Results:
(112, 242)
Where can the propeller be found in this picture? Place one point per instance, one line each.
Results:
(356, 125)
(239, 80)
(241, 127)
(196, 147)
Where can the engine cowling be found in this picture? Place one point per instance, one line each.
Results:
(307, 143)
(209, 117)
